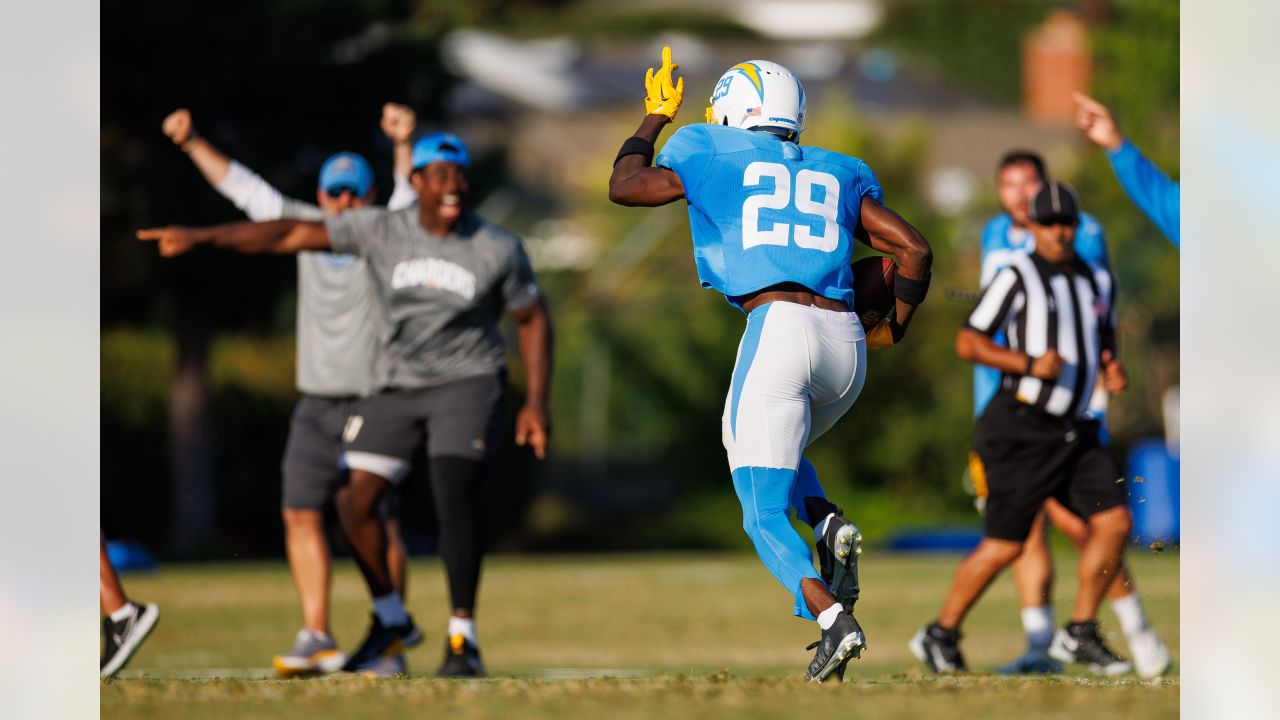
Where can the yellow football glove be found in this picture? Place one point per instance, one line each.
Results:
(880, 336)
(663, 94)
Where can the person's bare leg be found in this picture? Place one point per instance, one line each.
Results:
(1033, 570)
(974, 576)
(110, 593)
(1100, 559)
(1077, 531)
(308, 553)
(816, 595)
(397, 559)
(357, 503)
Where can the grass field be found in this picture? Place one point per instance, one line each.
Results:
(625, 636)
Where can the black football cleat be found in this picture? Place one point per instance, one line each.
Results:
(939, 649)
(839, 644)
(838, 552)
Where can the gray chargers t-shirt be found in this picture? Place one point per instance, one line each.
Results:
(441, 297)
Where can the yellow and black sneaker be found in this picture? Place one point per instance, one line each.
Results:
(461, 658)
(312, 653)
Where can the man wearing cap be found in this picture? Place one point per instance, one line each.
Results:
(443, 277)
(337, 342)
(1035, 437)
(1020, 175)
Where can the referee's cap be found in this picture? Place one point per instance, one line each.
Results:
(440, 147)
(1055, 204)
(346, 170)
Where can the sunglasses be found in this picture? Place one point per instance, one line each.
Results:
(336, 191)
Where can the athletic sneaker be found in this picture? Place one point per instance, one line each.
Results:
(1035, 661)
(839, 643)
(383, 641)
(121, 639)
(1079, 642)
(312, 652)
(939, 649)
(1150, 656)
(461, 658)
(838, 552)
(387, 666)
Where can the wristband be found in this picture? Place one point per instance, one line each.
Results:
(1030, 361)
(636, 146)
(186, 145)
(910, 290)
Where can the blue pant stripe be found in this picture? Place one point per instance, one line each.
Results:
(750, 343)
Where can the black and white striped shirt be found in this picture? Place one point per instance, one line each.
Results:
(1041, 307)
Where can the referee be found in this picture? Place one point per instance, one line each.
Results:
(1034, 438)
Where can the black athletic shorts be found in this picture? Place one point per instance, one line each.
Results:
(457, 419)
(1030, 456)
(311, 468)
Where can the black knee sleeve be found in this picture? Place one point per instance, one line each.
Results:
(455, 485)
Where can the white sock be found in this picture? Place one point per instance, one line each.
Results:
(827, 617)
(390, 609)
(466, 627)
(821, 528)
(124, 612)
(1038, 624)
(1129, 610)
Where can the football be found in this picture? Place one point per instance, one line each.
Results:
(873, 289)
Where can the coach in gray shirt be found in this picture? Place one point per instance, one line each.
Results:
(442, 277)
(337, 341)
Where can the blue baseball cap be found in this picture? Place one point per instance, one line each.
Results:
(440, 147)
(346, 170)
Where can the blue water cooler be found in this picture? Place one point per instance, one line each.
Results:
(1152, 482)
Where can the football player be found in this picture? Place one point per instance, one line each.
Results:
(773, 224)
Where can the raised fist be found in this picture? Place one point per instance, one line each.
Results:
(177, 126)
(398, 122)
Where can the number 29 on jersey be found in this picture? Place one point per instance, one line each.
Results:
(781, 199)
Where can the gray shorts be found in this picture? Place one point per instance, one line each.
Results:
(312, 467)
(458, 419)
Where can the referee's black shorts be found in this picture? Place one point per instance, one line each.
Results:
(1031, 456)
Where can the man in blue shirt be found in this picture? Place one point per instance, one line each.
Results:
(1158, 197)
(773, 225)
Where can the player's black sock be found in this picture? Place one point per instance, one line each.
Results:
(818, 508)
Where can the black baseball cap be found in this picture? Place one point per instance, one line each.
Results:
(1055, 204)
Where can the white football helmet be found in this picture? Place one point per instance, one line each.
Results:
(759, 94)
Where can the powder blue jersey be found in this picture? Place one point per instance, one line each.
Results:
(764, 211)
